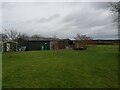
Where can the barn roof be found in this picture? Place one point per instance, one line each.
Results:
(44, 39)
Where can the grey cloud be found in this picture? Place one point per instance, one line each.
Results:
(43, 20)
(109, 31)
(104, 35)
(100, 5)
(85, 19)
(8, 5)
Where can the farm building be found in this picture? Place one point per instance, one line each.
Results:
(42, 44)
(9, 46)
(45, 44)
(38, 45)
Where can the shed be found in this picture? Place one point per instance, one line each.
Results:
(9, 46)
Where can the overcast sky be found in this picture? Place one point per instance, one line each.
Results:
(62, 19)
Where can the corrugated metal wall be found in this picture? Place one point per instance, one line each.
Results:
(38, 45)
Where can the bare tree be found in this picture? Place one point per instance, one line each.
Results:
(82, 40)
(115, 9)
(4, 37)
(11, 34)
(114, 6)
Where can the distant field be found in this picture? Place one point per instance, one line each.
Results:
(96, 67)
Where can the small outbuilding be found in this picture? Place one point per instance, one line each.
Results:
(9, 46)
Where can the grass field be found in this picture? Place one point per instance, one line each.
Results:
(0, 70)
(96, 67)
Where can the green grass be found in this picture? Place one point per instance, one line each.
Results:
(0, 70)
(96, 67)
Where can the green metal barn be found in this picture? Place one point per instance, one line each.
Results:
(38, 45)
